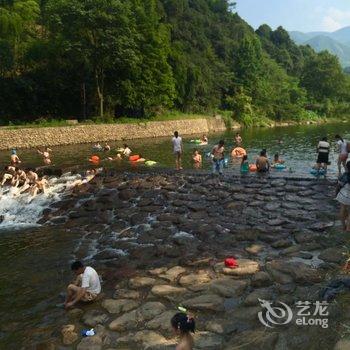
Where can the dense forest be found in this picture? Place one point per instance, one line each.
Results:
(136, 58)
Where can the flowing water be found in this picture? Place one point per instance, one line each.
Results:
(34, 260)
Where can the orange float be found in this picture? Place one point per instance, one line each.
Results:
(239, 152)
(253, 168)
(94, 159)
(134, 158)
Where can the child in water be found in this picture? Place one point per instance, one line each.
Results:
(197, 159)
(183, 326)
(277, 160)
(245, 165)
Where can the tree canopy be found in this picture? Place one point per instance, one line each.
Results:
(114, 58)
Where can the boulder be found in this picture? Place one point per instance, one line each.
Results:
(208, 341)
(228, 287)
(125, 322)
(162, 321)
(253, 298)
(167, 291)
(333, 255)
(150, 310)
(69, 336)
(139, 282)
(195, 281)
(245, 267)
(90, 343)
(94, 317)
(261, 279)
(205, 302)
(119, 306)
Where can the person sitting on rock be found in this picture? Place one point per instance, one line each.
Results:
(86, 288)
(9, 174)
(184, 325)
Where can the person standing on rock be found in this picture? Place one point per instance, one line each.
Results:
(183, 325)
(218, 156)
(323, 149)
(178, 150)
(343, 198)
(343, 152)
(86, 288)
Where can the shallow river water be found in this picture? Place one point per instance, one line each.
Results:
(34, 261)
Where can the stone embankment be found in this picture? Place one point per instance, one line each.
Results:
(55, 136)
(159, 241)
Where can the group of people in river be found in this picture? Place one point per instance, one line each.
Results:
(26, 180)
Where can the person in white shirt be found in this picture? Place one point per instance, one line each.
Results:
(343, 152)
(178, 150)
(86, 287)
(323, 149)
(127, 151)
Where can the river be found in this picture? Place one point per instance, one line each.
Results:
(34, 260)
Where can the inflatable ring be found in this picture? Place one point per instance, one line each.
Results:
(120, 150)
(94, 159)
(279, 166)
(150, 163)
(134, 158)
(253, 168)
(318, 172)
(239, 152)
(196, 141)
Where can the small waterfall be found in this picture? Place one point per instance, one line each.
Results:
(21, 210)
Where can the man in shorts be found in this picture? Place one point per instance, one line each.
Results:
(323, 149)
(86, 288)
(178, 149)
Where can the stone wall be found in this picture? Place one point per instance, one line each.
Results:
(54, 136)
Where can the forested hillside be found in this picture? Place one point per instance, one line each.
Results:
(113, 58)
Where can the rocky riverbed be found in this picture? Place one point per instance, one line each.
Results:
(159, 241)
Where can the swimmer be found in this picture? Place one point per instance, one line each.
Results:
(46, 155)
(97, 147)
(197, 159)
(14, 158)
(9, 174)
(89, 176)
(238, 139)
(20, 178)
(117, 157)
(107, 147)
(127, 151)
(183, 325)
(204, 140)
(262, 162)
(244, 164)
(277, 160)
(32, 178)
(218, 157)
(40, 186)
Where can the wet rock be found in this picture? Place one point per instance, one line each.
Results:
(195, 281)
(162, 321)
(68, 334)
(167, 291)
(126, 294)
(75, 313)
(253, 298)
(245, 267)
(126, 194)
(228, 287)
(125, 322)
(343, 344)
(254, 249)
(91, 343)
(140, 282)
(205, 302)
(208, 341)
(220, 326)
(149, 340)
(151, 309)
(119, 306)
(333, 255)
(282, 243)
(257, 340)
(172, 274)
(94, 317)
(261, 279)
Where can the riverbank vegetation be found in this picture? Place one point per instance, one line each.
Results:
(62, 59)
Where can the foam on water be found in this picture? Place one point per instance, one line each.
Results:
(22, 210)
